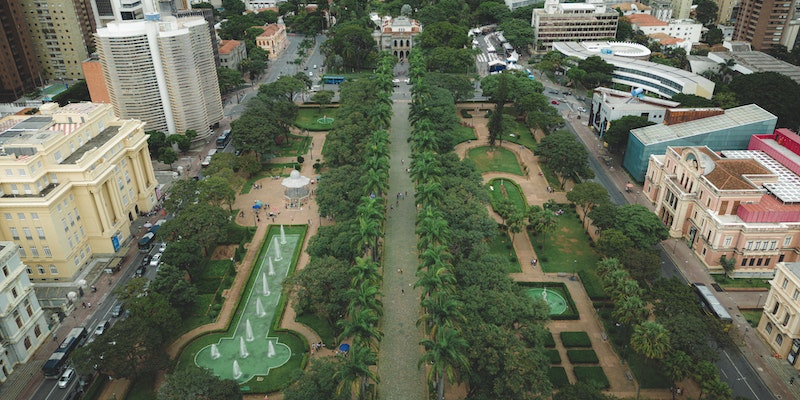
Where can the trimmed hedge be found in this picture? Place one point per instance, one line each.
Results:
(575, 339)
(592, 374)
(553, 355)
(558, 377)
(582, 356)
(549, 342)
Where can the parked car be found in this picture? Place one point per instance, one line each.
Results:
(567, 92)
(140, 271)
(552, 91)
(101, 328)
(146, 259)
(554, 102)
(582, 109)
(162, 247)
(66, 378)
(155, 260)
(118, 309)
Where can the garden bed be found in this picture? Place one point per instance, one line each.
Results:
(592, 374)
(575, 339)
(582, 356)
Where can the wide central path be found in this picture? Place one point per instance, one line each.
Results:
(400, 350)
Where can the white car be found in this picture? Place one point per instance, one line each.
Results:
(155, 260)
(162, 247)
(101, 328)
(66, 377)
(581, 109)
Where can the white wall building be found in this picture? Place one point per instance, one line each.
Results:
(162, 71)
(22, 322)
(688, 30)
(515, 4)
(609, 105)
(587, 21)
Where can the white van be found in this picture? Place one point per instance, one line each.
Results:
(207, 160)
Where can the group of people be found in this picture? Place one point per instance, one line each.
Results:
(316, 346)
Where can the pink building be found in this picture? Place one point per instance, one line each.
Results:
(741, 204)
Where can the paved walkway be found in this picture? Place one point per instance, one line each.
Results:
(401, 379)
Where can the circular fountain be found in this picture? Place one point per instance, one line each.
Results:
(554, 299)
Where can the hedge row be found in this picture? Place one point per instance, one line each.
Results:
(582, 356)
(589, 374)
(575, 339)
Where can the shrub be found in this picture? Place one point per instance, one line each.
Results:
(575, 339)
(592, 374)
(549, 342)
(587, 356)
(465, 113)
(553, 355)
(558, 377)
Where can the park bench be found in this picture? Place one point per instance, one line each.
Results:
(629, 375)
(604, 336)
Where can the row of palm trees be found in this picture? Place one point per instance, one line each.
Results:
(365, 307)
(445, 348)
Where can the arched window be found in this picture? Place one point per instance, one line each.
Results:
(768, 328)
(779, 339)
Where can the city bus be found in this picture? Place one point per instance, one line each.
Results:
(711, 304)
(224, 139)
(55, 364)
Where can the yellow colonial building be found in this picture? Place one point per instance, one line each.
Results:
(72, 179)
(780, 325)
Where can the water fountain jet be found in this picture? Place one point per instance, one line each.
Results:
(271, 267)
(277, 249)
(283, 235)
(249, 331)
(214, 352)
(243, 353)
(260, 308)
(237, 371)
(270, 349)
(265, 285)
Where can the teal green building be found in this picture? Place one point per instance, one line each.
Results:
(729, 131)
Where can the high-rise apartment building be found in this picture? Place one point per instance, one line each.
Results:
(74, 178)
(19, 68)
(23, 326)
(765, 23)
(162, 71)
(61, 31)
(681, 9)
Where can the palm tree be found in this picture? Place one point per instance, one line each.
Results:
(677, 366)
(651, 340)
(361, 327)
(380, 115)
(429, 194)
(374, 182)
(424, 139)
(625, 288)
(440, 310)
(364, 270)
(355, 372)
(425, 168)
(717, 389)
(445, 354)
(365, 296)
(607, 265)
(542, 221)
(432, 231)
(434, 255)
(369, 233)
(435, 278)
(630, 310)
(704, 371)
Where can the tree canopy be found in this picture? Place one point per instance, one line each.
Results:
(773, 92)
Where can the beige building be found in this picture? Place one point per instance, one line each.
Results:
(61, 31)
(23, 326)
(74, 178)
(567, 22)
(396, 35)
(273, 39)
(741, 204)
(780, 322)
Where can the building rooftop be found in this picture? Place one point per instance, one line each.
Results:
(732, 117)
(93, 143)
(631, 6)
(787, 188)
(618, 98)
(269, 30)
(755, 61)
(227, 46)
(665, 39)
(645, 20)
(793, 268)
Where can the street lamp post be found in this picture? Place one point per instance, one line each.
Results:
(758, 303)
(574, 267)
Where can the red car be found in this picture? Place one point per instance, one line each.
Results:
(554, 102)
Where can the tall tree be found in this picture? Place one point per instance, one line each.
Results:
(773, 92)
(196, 383)
(587, 195)
(496, 121)
(444, 355)
(356, 371)
(651, 340)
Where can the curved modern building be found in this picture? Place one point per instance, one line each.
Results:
(656, 78)
(162, 71)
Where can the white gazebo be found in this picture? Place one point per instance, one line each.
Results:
(297, 190)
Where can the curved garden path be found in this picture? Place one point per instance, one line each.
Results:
(534, 187)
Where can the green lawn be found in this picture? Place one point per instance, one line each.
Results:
(551, 177)
(726, 282)
(522, 135)
(752, 316)
(296, 146)
(567, 250)
(501, 246)
(499, 160)
(463, 134)
(322, 327)
(307, 118)
(512, 192)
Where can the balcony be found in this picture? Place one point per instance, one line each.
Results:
(43, 193)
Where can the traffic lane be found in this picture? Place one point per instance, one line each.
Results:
(740, 376)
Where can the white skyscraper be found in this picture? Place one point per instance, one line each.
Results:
(161, 70)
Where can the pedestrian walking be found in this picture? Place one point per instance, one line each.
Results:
(83, 304)
(402, 291)
(89, 305)
(535, 261)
